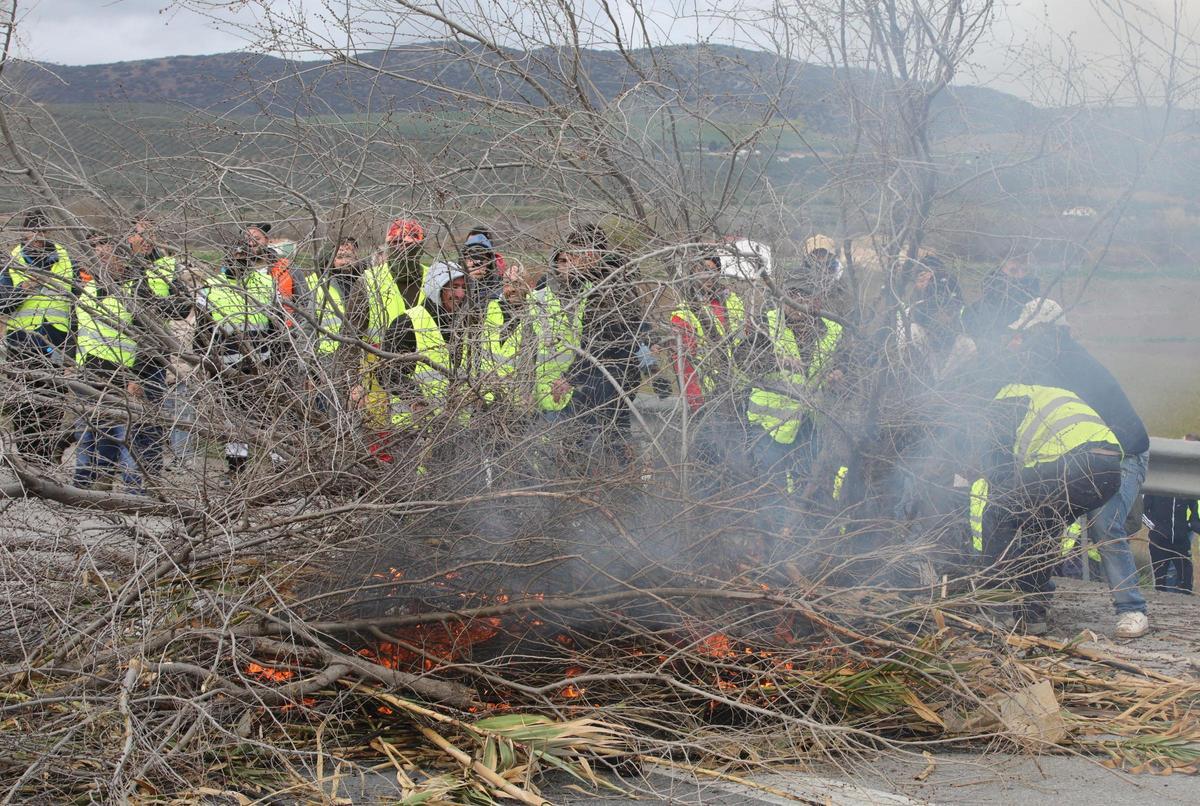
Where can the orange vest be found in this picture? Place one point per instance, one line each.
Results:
(285, 286)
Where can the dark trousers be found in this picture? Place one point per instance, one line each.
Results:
(1171, 557)
(39, 429)
(150, 439)
(1024, 519)
(104, 448)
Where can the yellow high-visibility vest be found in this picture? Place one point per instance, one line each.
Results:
(239, 305)
(1056, 422)
(160, 275)
(714, 351)
(430, 380)
(103, 328)
(777, 412)
(384, 301)
(328, 311)
(979, 495)
(52, 302)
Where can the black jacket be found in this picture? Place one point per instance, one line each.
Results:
(613, 327)
(1170, 516)
(1056, 359)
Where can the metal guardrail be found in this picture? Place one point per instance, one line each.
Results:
(1174, 468)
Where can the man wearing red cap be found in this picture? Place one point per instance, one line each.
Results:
(394, 283)
(388, 288)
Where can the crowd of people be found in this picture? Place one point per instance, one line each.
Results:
(762, 356)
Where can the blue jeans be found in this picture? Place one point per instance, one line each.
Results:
(102, 447)
(1108, 525)
(177, 402)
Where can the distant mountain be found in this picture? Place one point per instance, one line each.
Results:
(724, 79)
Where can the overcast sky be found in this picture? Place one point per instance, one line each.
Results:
(97, 31)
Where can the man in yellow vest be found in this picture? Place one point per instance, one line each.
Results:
(790, 357)
(526, 334)
(707, 327)
(386, 288)
(599, 293)
(1051, 458)
(111, 361)
(402, 270)
(417, 391)
(236, 315)
(37, 293)
(155, 275)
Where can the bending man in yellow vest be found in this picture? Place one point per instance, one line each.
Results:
(1051, 458)
(37, 293)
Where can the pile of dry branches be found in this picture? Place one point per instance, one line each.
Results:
(288, 647)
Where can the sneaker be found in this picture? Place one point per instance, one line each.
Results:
(1036, 628)
(1132, 625)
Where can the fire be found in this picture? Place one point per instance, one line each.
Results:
(392, 575)
(438, 643)
(268, 673)
(572, 691)
(716, 645)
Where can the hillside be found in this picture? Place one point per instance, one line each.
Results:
(719, 78)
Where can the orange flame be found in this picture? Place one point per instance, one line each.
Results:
(716, 645)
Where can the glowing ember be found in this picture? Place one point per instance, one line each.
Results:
(433, 644)
(392, 575)
(268, 673)
(716, 645)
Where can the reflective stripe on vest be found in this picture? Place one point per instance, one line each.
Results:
(1056, 422)
(102, 329)
(779, 413)
(979, 495)
(160, 275)
(1070, 539)
(328, 311)
(51, 303)
(239, 305)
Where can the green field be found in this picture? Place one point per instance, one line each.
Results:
(1144, 327)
